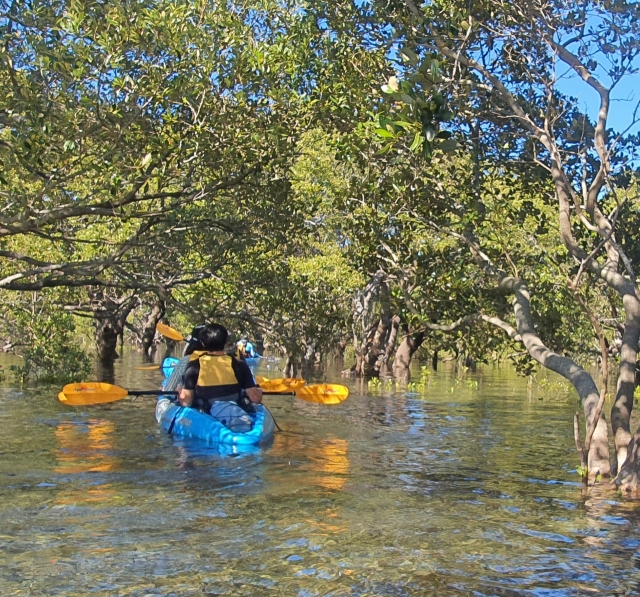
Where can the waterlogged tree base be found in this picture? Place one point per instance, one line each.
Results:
(628, 479)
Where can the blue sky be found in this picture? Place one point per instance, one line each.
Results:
(623, 99)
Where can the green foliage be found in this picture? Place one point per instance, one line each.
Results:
(422, 384)
(47, 341)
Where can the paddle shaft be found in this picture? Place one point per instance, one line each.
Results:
(168, 393)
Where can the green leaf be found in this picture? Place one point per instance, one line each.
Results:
(385, 134)
(434, 68)
(417, 142)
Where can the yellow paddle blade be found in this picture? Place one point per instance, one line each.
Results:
(289, 384)
(148, 368)
(91, 392)
(323, 393)
(169, 332)
(259, 379)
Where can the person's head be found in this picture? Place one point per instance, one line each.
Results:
(214, 337)
(193, 340)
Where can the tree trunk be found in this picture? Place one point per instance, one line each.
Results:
(149, 327)
(583, 382)
(370, 360)
(434, 360)
(290, 367)
(470, 363)
(106, 340)
(111, 316)
(391, 344)
(371, 324)
(410, 343)
(623, 405)
(628, 479)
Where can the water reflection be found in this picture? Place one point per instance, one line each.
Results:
(85, 447)
(331, 459)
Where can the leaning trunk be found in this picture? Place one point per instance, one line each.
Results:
(583, 382)
(410, 343)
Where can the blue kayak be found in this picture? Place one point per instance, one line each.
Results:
(189, 422)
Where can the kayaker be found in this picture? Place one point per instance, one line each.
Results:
(245, 350)
(193, 340)
(250, 350)
(241, 349)
(213, 376)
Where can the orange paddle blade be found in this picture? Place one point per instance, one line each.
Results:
(289, 384)
(148, 368)
(91, 392)
(323, 393)
(169, 332)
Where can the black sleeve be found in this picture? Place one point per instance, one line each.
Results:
(191, 373)
(243, 374)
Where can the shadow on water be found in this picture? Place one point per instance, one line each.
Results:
(466, 487)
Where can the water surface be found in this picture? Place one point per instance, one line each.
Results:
(466, 489)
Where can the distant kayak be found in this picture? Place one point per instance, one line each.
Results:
(188, 422)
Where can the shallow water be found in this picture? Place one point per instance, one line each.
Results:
(467, 489)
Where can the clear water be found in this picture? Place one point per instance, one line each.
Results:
(468, 489)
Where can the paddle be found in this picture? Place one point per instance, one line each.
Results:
(280, 385)
(169, 332)
(323, 393)
(92, 392)
(148, 368)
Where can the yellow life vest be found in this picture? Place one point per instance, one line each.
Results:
(215, 370)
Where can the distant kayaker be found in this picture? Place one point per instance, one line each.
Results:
(241, 349)
(213, 376)
(251, 351)
(245, 350)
